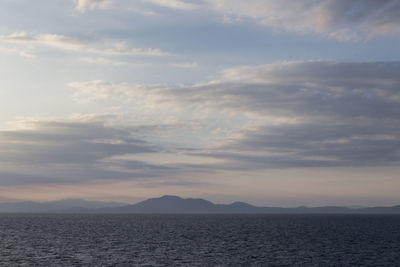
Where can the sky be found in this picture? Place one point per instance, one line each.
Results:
(272, 102)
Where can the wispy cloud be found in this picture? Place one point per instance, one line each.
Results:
(311, 144)
(83, 5)
(97, 90)
(347, 114)
(102, 61)
(68, 142)
(79, 45)
(84, 149)
(315, 88)
(26, 53)
(339, 19)
(74, 150)
(177, 4)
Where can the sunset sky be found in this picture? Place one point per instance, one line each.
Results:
(272, 102)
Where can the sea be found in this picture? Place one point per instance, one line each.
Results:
(199, 240)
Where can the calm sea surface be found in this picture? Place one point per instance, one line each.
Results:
(199, 240)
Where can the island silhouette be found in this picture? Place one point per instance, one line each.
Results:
(176, 205)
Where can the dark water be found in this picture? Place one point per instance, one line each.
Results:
(199, 240)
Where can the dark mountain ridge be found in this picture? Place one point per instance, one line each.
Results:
(175, 205)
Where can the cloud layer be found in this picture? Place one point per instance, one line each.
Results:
(338, 19)
(83, 5)
(309, 113)
(74, 151)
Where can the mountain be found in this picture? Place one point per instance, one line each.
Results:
(165, 204)
(64, 205)
(175, 205)
(380, 210)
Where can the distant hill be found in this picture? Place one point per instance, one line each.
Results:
(64, 205)
(176, 205)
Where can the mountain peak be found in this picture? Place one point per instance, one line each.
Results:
(170, 197)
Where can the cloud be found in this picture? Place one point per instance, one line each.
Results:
(77, 45)
(185, 65)
(85, 149)
(26, 53)
(304, 89)
(347, 114)
(176, 4)
(315, 89)
(314, 144)
(97, 90)
(339, 19)
(54, 142)
(102, 61)
(83, 5)
(309, 114)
